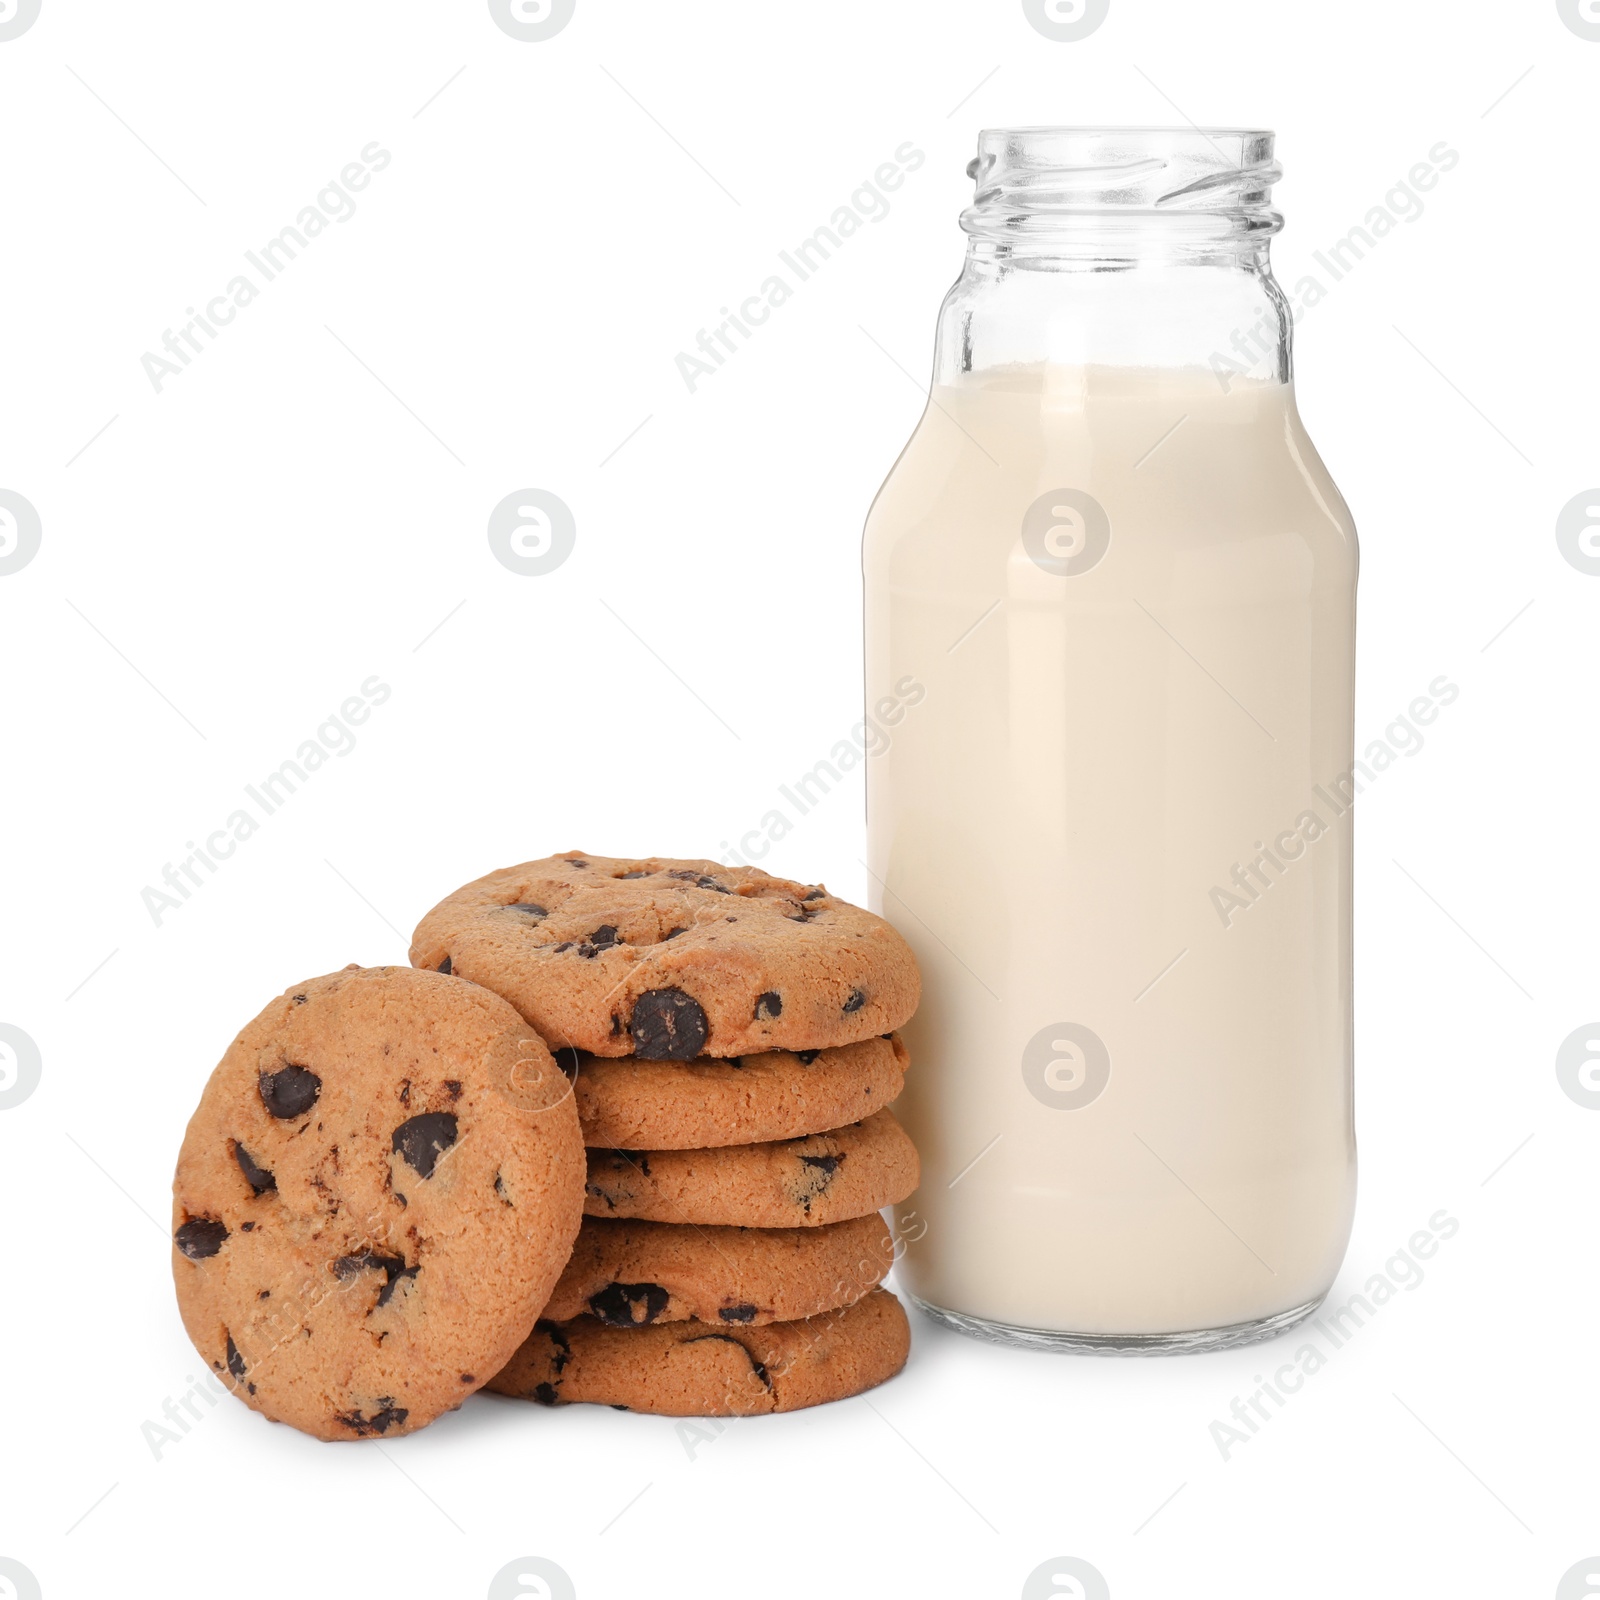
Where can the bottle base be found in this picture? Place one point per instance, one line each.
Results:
(1189, 1342)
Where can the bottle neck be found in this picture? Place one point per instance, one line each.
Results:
(1225, 316)
(1124, 248)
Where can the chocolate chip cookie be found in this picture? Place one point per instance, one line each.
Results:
(626, 1103)
(378, 1191)
(790, 1183)
(672, 959)
(627, 1274)
(691, 1369)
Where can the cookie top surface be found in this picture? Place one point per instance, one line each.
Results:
(672, 959)
(629, 1103)
(374, 1198)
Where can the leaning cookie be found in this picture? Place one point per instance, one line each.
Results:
(376, 1195)
(792, 1183)
(626, 1103)
(629, 1273)
(673, 959)
(687, 1369)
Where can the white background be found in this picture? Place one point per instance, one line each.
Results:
(306, 506)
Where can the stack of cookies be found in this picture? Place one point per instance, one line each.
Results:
(387, 1179)
(730, 1037)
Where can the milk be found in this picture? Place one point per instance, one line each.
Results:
(1131, 1071)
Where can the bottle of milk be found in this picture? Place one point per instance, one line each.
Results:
(1117, 826)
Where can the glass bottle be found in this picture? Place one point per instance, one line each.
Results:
(1112, 585)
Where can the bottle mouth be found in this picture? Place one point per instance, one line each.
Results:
(1202, 184)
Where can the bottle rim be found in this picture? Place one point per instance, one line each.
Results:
(1061, 183)
(1245, 130)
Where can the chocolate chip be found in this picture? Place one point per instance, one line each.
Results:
(701, 881)
(629, 1305)
(424, 1139)
(348, 1266)
(633, 874)
(567, 1059)
(393, 1268)
(247, 1227)
(855, 1002)
(744, 1313)
(815, 1179)
(816, 894)
(625, 1160)
(560, 1343)
(266, 1294)
(259, 1179)
(299, 999)
(566, 944)
(769, 1005)
(467, 1377)
(672, 933)
(545, 1393)
(573, 861)
(444, 966)
(668, 1025)
(500, 1189)
(289, 1093)
(727, 1338)
(603, 938)
(388, 1415)
(235, 1361)
(528, 909)
(200, 1238)
(806, 1057)
(452, 1087)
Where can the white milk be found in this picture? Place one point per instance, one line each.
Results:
(1063, 822)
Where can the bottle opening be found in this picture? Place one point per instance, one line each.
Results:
(1205, 184)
